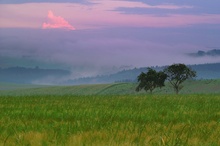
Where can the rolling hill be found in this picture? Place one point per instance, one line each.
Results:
(190, 87)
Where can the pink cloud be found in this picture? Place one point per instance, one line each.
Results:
(96, 16)
(56, 22)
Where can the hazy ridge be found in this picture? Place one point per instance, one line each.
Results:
(204, 71)
(38, 75)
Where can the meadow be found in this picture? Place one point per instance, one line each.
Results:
(96, 117)
(190, 87)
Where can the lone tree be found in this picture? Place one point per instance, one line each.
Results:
(151, 80)
(177, 74)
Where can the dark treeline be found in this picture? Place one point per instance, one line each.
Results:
(28, 75)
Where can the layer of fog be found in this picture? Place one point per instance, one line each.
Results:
(96, 52)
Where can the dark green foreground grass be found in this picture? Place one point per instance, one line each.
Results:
(110, 120)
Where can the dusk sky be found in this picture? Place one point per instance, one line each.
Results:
(95, 35)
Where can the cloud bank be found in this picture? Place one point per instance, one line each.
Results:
(56, 22)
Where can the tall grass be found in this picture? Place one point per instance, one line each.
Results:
(110, 120)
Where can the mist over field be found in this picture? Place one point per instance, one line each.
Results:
(101, 51)
(95, 37)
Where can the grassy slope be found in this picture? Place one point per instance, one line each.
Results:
(203, 86)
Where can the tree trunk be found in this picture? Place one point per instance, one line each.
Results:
(176, 88)
(177, 91)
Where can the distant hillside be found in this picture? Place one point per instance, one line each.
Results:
(24, 75)
(28, 75)
(207, 71)
(204, 71)
(28, 62)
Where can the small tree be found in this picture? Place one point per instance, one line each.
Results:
(177, 74)
(151, 80)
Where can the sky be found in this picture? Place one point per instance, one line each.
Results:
(93, 37)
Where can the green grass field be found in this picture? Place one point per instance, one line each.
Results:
(110, 115)
(190, 87)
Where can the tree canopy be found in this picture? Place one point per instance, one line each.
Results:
(177, 74)
(151, 80)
